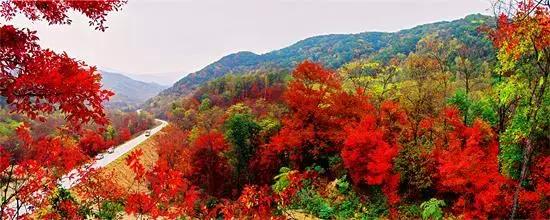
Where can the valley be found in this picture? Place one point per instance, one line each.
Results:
(443, 120)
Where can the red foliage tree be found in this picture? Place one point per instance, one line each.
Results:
(29, 73)
(468, 168)
(140, 203)
(255, 202)
(309, 131)
(91, 143)
(173, 147)
(209, 169)
(371, 146)
(35, 81)
(135, 164)
(319, 109)
(173, 194)
(123, 135)
(533, 202)
(169, 194)
(31, 178)
(96, 188)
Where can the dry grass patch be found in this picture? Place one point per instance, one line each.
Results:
(123, 175)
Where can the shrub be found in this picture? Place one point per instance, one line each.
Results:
(431, 209)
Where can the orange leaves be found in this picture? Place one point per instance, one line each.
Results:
(213, 141)
(173, 147)
(173, 195)
(46, 81)
(529, 26)
(98, 186)
(133, 162)
(255, 202)
(169, 193)
(320, 110)
(140, 203)
(36, 80)
(92, 143)
(56, 12)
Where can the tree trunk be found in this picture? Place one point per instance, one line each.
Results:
(522, 176)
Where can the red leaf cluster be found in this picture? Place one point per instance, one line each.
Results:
(468, 167)
(319, 111)
(255, 202)
(371, 146)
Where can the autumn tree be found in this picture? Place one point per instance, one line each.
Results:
(468, 167)
(372, 145)
(169, 194)
(45, 160)
(255, 202)
(210, 170)
(100, 195)
(173, 146)
(377, 79)
(423, 93)
(319, 108)
(468, 67)
(438, 49)
(34, 81)
(522, 38)
(92, 143)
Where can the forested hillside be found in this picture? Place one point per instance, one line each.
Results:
(443, 121)
(335, 50)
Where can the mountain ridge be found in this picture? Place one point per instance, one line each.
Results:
(129, 93)
(332, 50)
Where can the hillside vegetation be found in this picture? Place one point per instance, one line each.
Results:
(335, 50)
(442, 121)
(432, 122)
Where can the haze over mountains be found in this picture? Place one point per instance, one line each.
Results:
(166, 79)
(337, 49)
(129, 93)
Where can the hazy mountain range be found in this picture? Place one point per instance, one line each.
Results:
(129, 93)
(335, 50)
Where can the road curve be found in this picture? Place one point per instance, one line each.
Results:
(73, 178)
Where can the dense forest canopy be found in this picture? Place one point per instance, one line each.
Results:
(445, 120)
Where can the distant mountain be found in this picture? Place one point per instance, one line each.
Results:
(166, 79)
(337, 49)
(129, 93)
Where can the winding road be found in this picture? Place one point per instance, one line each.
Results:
(72, 178)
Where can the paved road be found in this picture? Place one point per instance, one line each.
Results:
(72, 178)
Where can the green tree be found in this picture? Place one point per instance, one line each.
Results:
(522, 40)
(241, 130)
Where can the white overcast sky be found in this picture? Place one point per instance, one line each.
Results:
(162, 40)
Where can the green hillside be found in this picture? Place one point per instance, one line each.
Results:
(335, 50)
